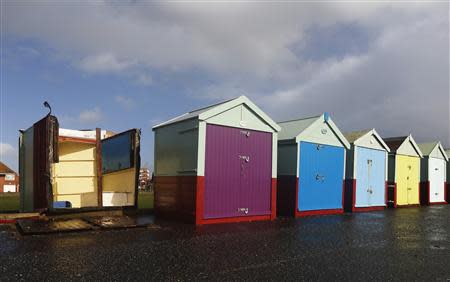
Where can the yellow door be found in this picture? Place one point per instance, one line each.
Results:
(407, 174)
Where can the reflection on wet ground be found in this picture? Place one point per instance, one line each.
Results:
(401, 244)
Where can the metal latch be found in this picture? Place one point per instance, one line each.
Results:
(320, 178)
(244, 210)
(245, 158)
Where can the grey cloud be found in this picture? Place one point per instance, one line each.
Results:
(388, 70)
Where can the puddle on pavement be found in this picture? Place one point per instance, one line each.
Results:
(46, 226)
(108, 222)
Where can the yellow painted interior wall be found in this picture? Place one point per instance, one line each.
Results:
(407, 178)
(121, 182)
(75, 176)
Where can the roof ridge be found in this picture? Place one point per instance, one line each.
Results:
(361, 130)
(210, 106)
(299, 119)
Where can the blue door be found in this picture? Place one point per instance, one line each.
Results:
(370, 177)
(321, 171)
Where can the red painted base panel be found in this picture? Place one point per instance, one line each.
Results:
(318, 212)
(408, 206)
(368, 209)
(438, 203)
(7, 221)
(234, 219)
(446, 188)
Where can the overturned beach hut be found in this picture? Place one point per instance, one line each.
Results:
(217, 164)
(311, 167)
(403, 171)
(366, 171)
(64, 168)
(433, 170)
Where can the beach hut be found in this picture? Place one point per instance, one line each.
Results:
(403, 171)
(217, 164)
(77, 169)
(433, 186)
(366, 171)
(311, 167)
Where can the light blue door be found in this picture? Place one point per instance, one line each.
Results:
(321, 170)
(370, 177)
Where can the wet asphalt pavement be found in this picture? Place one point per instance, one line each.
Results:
(402, 244)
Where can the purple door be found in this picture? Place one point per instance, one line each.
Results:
(238, 169)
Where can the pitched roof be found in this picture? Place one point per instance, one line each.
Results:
(5, 169)
(292, 128)
(207, 112)
(427, 148)
(354, 136)
(189, 115)
(395, 142)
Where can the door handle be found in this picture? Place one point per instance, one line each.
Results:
(320, 178)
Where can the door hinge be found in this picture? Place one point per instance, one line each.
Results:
(246, 133)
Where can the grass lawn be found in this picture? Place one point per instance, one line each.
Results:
(10, 201)
(145, 200)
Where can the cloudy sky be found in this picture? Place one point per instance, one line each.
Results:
(120, 65)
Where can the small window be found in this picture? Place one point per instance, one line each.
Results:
(118, 152)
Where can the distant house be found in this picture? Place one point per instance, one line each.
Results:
(9, 179)
(144, 178)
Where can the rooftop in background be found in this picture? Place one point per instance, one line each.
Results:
(428, 148)
(395, 142)
(5, 169)
(355, 135)
(292, 128)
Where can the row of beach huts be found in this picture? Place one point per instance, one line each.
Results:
(230, 162)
